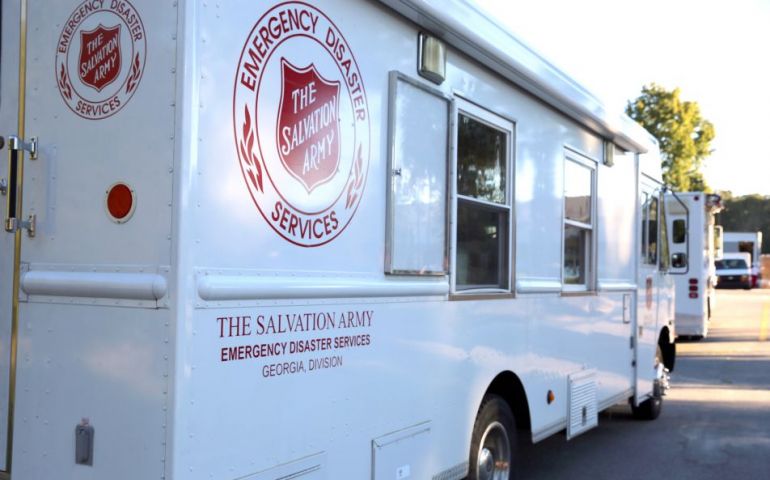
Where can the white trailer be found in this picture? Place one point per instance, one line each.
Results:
(693, 251)
(747, 242)
(338, 240)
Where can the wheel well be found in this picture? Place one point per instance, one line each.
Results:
(667, 348)
(508, 386)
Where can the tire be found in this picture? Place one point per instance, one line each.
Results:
(669, 359)
(493, 442)
(650, 409)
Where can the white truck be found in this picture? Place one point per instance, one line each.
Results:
(747, 242)
(331, 240)
(693, 239)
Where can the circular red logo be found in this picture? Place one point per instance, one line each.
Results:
(100, 57)
(301, 123)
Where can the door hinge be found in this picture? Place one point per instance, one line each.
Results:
(30, 224)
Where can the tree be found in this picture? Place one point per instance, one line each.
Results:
(684, 136)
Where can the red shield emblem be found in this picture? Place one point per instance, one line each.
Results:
(308, 125)
(99, 61)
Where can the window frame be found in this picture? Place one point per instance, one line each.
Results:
(664, 247)
(461, 106)
(591, 263)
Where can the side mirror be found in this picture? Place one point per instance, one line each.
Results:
(679, 260)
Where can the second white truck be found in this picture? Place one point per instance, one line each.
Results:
(694, 247)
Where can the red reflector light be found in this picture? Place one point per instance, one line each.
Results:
(120, 202)
(693, 294)
(693, 281)
(693, 288)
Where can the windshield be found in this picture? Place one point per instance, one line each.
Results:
(731, 263)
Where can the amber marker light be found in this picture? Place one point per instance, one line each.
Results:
(550, 397)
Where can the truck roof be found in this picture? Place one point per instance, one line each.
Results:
(465, 26)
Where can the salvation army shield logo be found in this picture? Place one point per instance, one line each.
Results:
(99, 58)
(301, 124)
(308, 125)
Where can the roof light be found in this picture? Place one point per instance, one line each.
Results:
(431, 58)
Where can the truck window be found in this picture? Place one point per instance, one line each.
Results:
(649, 240)
(578, 222)
(665, 258)
(482, 260)
(679, 232)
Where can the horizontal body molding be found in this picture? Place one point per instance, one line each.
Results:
(249, 287)
(122, 285)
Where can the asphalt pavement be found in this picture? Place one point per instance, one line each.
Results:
(715, 422)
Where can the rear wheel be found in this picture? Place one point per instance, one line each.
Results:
(650, 409)
(493, 441)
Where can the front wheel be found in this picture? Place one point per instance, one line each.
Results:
(493, 441)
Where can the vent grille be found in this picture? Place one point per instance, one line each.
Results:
(583, 411)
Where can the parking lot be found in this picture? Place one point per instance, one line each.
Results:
(716, 418)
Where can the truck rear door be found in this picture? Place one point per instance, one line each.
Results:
(87, 236)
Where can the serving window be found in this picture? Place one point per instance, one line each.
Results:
(416, 242)
(482, 201)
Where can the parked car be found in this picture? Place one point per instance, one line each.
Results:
(734, 271)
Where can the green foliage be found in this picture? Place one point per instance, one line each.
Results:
(684, 136)
(749, 213)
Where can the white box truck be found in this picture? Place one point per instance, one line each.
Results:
(747, 242)
(330, 240)
(694, 248)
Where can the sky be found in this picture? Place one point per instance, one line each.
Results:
(717, 52)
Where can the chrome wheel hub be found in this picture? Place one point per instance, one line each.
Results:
(494, 455)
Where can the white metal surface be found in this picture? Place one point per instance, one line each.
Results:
(213, 335)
